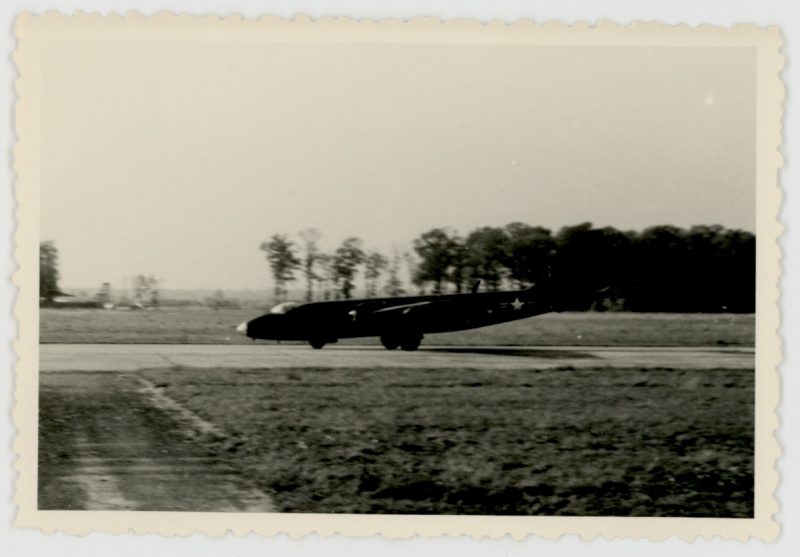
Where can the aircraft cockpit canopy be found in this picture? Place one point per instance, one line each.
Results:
(284, 307)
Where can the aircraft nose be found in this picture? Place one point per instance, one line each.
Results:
(242, 327)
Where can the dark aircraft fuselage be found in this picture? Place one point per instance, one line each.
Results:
(398, 321)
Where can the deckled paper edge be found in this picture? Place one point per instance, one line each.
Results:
(33, 30)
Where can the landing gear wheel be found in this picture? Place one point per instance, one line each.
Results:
(409, 344)
(316, 343)
(390, 342)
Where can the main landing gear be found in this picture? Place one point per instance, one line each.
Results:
(316, 343)
(409, 343)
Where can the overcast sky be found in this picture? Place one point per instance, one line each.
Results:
(178, 159)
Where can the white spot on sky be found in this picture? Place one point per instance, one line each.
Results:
(709, 100)
(514, 162)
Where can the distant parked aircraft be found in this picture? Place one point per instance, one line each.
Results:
(400, 321)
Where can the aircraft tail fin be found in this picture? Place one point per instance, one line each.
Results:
(475, 286)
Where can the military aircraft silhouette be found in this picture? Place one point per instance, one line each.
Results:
(399, 321)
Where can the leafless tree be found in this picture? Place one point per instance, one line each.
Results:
(283, 262)
(311, 253)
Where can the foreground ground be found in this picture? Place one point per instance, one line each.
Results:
(195, 325)
(105, 443)
(533, 431)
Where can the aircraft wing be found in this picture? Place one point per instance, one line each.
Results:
(414, 311)
(406, 309)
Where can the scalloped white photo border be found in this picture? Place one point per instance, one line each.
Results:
(34, 32)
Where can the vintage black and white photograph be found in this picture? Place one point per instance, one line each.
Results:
(360, 276)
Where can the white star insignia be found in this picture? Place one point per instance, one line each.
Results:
(517, 304)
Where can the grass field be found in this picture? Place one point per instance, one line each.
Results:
(559, 442)
(200, 325)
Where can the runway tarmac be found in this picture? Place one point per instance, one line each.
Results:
(131, 357)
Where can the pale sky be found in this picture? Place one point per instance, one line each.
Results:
(178, 160)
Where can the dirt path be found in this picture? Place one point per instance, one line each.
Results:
(115, 442)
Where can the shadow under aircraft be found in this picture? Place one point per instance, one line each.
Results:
(399, 321)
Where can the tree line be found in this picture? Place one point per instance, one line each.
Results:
(659, 269)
